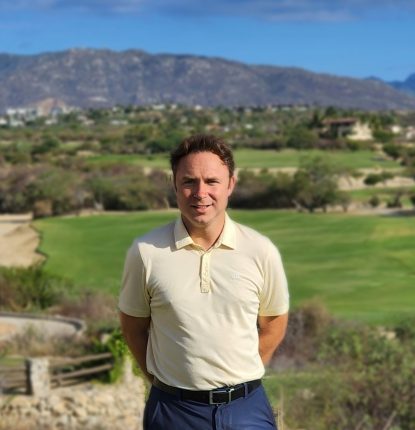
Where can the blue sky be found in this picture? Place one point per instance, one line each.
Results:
(357, 38)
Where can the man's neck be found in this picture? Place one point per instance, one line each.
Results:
(205, 236)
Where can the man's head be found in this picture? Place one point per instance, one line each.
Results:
(203, 143)
(203, 177)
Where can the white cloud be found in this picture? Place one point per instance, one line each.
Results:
(281, 10)
(86, 5)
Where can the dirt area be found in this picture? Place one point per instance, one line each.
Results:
(47, 327)
(349, 183)
(18, 241)
(6, 329)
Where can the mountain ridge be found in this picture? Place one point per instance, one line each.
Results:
(102, 78)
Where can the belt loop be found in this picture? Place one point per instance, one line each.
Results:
(246, 389)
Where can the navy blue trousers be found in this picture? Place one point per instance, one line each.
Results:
(165, 411)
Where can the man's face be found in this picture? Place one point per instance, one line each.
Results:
(203, 187)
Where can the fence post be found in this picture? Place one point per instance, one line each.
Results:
(38, 379)
(127, 371)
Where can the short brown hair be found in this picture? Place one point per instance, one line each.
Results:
(203, 143)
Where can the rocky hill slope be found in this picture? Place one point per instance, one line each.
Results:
(98, 78)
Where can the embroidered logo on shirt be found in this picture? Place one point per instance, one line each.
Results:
(236, 275)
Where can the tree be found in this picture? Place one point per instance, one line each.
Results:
(263, 190)
(300, 137)
(392, 150)
(383, 136)
(59, 189)
(315, 184)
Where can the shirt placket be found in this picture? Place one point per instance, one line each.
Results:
(205, 272)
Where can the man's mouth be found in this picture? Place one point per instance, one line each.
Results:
(201, 206)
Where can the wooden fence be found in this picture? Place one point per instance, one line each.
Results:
(23, 378)
(13, 379)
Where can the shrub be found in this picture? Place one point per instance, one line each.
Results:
(315, 184)
(62, 188)
(375, 178)
(394, 151)
(301, 138)
(96, 308)
(306, 327)
(263, 190)
(395, 201)
(378, 379)
(115, 344)
(374, 201)
(383, 136)
(30, 288)
(120, 187)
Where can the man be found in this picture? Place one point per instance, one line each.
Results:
(204, 303)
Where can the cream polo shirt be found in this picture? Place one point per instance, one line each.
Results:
(203, 304)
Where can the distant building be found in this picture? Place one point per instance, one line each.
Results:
(396, 129)
(351, 128)
(410, 133)
(361, 131)
(18, 117)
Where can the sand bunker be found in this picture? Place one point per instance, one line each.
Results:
(18, 241)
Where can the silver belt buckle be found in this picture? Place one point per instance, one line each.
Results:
(220, 391)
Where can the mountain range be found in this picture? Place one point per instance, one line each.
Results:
(102, 78)
(407, 86)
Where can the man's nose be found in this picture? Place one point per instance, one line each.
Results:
(200, 190)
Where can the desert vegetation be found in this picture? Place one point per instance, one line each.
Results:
(348, 355)
(345, 374)
(117, 159)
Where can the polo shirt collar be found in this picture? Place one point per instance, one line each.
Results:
(227, 237)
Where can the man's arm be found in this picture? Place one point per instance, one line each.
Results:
(271, 333)
(135, 331)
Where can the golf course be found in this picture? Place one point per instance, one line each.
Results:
(360, 266)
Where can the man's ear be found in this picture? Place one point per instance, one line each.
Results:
(232, 183)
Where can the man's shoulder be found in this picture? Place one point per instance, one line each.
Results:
(160, 237)
(251, 237)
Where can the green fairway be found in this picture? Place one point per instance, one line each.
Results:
(361, 267)
(152, 161)
(254, 158)
(291, 158)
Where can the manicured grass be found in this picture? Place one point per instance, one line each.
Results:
(291, 158)
(153, 161)
(252, 158)
(361, 267)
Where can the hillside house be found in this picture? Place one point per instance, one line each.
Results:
(410, 133)
(351, 128)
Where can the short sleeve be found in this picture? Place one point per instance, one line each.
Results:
(274, 298)
(134, 299)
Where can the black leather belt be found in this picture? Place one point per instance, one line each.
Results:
(218, 396)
